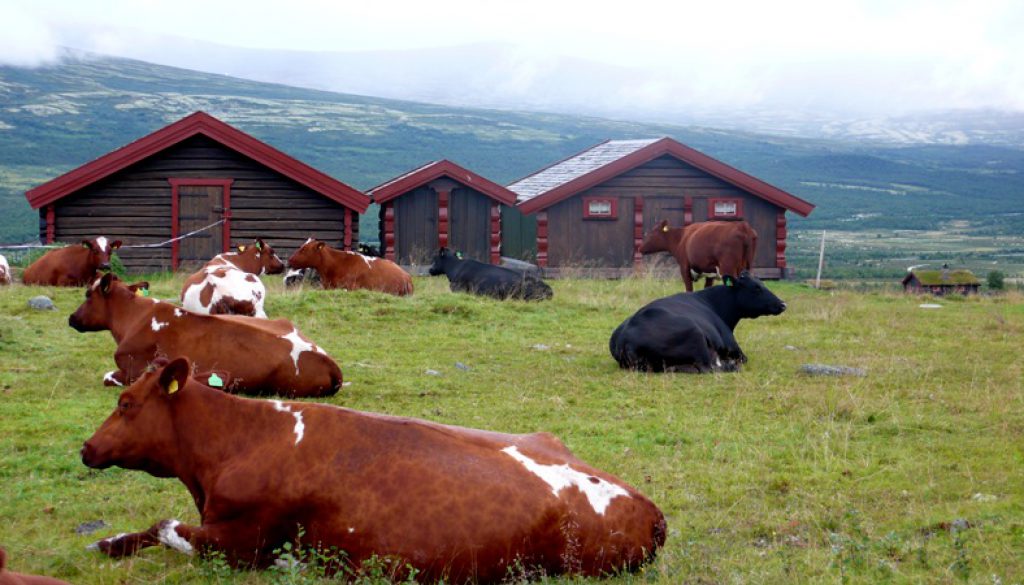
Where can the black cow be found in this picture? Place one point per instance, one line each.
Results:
(692, 332)
(485, 279)
(368, 250)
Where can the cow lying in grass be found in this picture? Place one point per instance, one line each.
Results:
(452, 503)
(351, 270)
(693, 332)
(74, 265)
(230, 283)
(488, 280)
(244, 354)
(711, 248)
(12, 578)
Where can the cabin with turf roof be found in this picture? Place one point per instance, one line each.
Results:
(440, 204)
(941, 282)
(196, 173)
(593, 208)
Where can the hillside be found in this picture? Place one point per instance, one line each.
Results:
(55, 118)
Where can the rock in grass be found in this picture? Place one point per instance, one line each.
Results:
(42, 303)
(90, 527)
(826, 370)
(462, 366)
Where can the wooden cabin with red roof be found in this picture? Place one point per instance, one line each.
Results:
(191, 174)
(593, 208)
(440, 204)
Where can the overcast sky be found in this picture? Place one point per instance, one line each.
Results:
(912, 54)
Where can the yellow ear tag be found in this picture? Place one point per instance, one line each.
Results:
(241, 248)
(664, 228)
(172, 387)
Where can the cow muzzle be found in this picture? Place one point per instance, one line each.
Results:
(90, 457)
(105, 266)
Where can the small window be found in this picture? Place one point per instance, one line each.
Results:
(725, 208)
(600, 208)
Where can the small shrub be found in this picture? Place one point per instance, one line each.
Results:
(996, 280)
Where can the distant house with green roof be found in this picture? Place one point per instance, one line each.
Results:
(941, 282)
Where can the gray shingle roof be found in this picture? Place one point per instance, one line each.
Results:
(564, 171)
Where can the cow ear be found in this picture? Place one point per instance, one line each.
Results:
(241, 248)
(106, 282)
(259, 244)
(87, 244)
(320, 245)
(115, 244)
(174, 375)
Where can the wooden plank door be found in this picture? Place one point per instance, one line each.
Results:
(469, 227)
(416, 227)
(198, 207)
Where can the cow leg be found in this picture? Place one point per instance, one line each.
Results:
(239, 540)
(115, 378)
(684, 269)
(709, 281)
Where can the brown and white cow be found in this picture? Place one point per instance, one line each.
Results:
(5, 271)
(712, 248)
(12, 578)
(74, 265)
(230, 284)
(453, 503)
(351, 270)
(247, 355)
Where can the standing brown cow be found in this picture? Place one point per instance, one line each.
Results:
(74, 265)
(710, 248)
(12, 578)
(245, 354)
(5, 271)
(351, 270)
(453, 503)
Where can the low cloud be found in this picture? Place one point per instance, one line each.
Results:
(25, 40)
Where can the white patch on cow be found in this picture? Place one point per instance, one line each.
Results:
(101, 242)
(292, 272)
(351, 529)
(157, 325)
(300, 345)
(169, 537)
(308, 240)
(366, 259)
(232, 285)
(300, 427)
(178, 312)
(5, 271)
(599, 492)
(109, 377)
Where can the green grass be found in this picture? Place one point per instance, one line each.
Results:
(767, 475)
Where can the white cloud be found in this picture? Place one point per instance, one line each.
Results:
(25, 40)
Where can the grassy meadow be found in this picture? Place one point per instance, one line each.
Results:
(912, 473)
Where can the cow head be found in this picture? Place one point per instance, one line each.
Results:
(752, 298)
(100, 298)
(368, 250)
(310, 255)
(100, 250)
(443, 258)
(659, 239)
(140, 433)
(260, 254)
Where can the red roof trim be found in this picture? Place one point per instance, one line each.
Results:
(688, 155)
(197, 123)
(402, 184)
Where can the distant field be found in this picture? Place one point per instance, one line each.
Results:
(910, 474)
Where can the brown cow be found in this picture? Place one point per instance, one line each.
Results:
(710, 248)
(230, 284)
(5, 271)
(251, 356)
(453, 503)
(74, 265)
(12, 578)
(351, 270)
